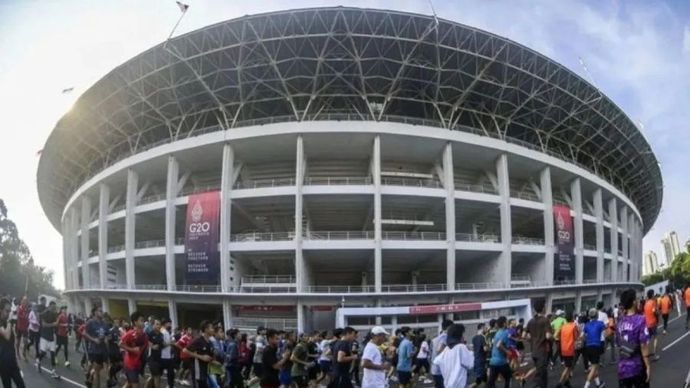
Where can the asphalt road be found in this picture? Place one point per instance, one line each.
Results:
(669, 372)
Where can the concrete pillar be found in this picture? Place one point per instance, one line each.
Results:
(105, 304)
(613, 219)
(599, 214)
(171, 190)
(576, 195)
(394, 323)
(504, 269)
(449, 185)
(85, 219)
(172, 312)
(548, 306)
(624, 235)
(65, 253)
(578, 301)
(300, 317)
(88, 306)
(225, 215)
(103, 210)
(131, 305)
(227, 314)
(130, 206)
(549, 234)
(74, 244)
(378, 231)
(299, 211)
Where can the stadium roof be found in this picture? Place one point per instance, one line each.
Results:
(358, 64)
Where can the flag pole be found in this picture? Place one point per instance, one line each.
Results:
(174, 28)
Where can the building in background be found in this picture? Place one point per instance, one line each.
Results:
(671, 247)
(272, 169)
(651, 263)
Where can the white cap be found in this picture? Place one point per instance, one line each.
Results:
(376, 330)
(560, 312)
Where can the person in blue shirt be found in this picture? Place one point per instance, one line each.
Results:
(498, 363)
(405, 356)
(593, 346)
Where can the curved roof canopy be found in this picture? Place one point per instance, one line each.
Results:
(359, 64)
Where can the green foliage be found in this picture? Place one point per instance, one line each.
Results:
(18, 274)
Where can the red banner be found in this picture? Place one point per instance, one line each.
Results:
(444, 308)
(202, 260)
(275, 308)
(565, 263)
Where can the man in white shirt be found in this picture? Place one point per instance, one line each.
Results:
(372, 360)
(437, 346)
(455, 361)
(166, 352)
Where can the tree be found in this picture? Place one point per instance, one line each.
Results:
(18, 273)
(678, 274)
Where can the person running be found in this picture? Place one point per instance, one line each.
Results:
(233, 371)
(49, 322)
(498, 363)
(134, 343)
(665, 307)
(300, 363)
(374, 375)
(94, 332)
(539, 332)
(437, 346)
(156, 343)
(480, 348)
(167, 359)
(354, 367)
(113, 354)
(9, 367)
(651, 318)
(259, 345)
(634, 366)
(593, 347)
(569, 333)
(556, 326)
(422, 360)
(22, 327)
(271, 365)
(455, 361)
(405, 355)
(344, 357)
(185, 358)
(325, 357)
(610, 336)
(34, 330)
(62, 331)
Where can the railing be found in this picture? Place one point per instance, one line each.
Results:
(266, 289)
(410, 182)
(526, 195)
(340, 235)
(152, 198)
(179, 241)
(590, 247)
(433, 236)
(477, 237)
(527, 240)
(197, 288)
(263, 236)
(258, 183)
(200, 189)
(273, 323)
(333, 181)
(268, 279)
(478, 286)
(116, 248)
(385, 288)
(476, 188)
(149, 244)
(520, 281)
(151, 287)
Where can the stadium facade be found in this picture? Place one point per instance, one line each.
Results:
(275, 168)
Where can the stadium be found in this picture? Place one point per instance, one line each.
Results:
(290, 168)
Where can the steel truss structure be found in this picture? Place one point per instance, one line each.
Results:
(353, 64)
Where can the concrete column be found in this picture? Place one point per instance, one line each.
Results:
(131, 305)
(300, 317)
(504, 269)
(625, 228)
(613, 219)
(74, 246)
(548, 306)
(578, 301)
(227, 314)
(85, 219)
(172, 312)
(576, 195)
(599, 214)
(65, 253)
(378, 231)
(105, 304)
(549, 234)
(103, 210)
(171, 190)
(88, 305)
(449, 185)
(225, 215)
(299, 204)
(130, 205)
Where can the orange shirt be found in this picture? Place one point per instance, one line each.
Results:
(650, 312)
(665, 305)
(569, 334)
(687, 296)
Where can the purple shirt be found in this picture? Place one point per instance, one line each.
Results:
(633, 330)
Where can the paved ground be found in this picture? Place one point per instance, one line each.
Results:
(669, 372)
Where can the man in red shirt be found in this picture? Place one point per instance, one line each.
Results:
(22, 328)
(134, 343)
(186, 359)
(62, 339)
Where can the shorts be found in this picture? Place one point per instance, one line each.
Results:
(404, 377)
(568, 361)
(21, 333)
(285, 377)
(258, 370)
(155, 368)
(313, 372)
(96, 358)
(480, 374)
(652, 331)
(325, 366)
(592, 354)
(422, 363)
(47, 346)
(132, 375)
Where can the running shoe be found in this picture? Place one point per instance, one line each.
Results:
(67, 364)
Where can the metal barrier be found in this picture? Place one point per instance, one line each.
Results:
(410, 182)
(415, 236)
(335, 181)
(259, 183)
(477, 237)
(340, 235)
(263, 236)
(527, 240)
(268, 279)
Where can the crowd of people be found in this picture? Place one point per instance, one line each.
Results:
(147, 352)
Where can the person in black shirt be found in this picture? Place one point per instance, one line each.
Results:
(270, 362)
(154, 361)
(9, 368)
(344, 358)
(201, 351)
(49, 322)
(112, 340)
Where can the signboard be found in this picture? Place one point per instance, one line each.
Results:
(565, 258)
(202, 259)
(444, 308)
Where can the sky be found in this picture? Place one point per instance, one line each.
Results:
(637, 53)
